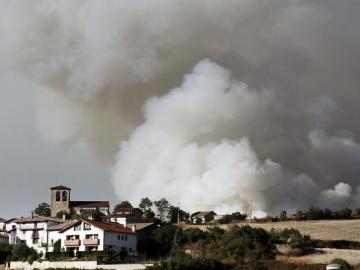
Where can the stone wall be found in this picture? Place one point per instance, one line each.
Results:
(90, 265)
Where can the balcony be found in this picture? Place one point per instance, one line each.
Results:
(91, 242)
(72, 243)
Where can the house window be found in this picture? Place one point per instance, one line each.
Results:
(77, 227)
(125, 238)
(64, 196)
(122, 238)
(58, 196)
(118, 237)
(87, 227)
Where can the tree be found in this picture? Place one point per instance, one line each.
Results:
(164, 238)
(283, 215)
(43, 209)
(22, 252)
(123, 204)
(90, 214)
(57, 246)
(299, 215)
(146, 205)
(163, 207)
(61, 213)
(174, 212)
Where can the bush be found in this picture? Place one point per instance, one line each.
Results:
(344, 264)
(186, 262)
(22, 252)
(5, 252)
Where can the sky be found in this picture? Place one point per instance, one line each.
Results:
(30, 165)
(211, 103)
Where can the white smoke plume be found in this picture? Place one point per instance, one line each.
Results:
(114, 73)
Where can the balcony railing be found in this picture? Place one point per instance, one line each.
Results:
(72, 243)
(91, 242)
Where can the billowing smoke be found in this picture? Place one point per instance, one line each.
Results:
(212, 103)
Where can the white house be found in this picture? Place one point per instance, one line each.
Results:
(9, 224)
(54, 233)
(32, 231)
(91, 235)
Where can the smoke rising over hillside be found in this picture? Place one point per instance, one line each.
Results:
(203, 102)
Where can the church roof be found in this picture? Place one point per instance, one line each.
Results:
(60, 188)
(89, 204)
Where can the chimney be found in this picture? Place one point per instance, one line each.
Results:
(32, 214)
(134, 228)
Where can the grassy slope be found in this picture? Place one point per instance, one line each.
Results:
(323, 230)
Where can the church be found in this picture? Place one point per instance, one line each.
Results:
(61, 201)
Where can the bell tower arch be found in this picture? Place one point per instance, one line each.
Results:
(60, 199)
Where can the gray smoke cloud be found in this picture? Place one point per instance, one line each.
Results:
(213, 103)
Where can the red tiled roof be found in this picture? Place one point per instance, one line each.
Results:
(37, 219)
(89, 204)
(110, 226)
(60, 188)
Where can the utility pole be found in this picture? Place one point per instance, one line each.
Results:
(178, 217)
(250, 217)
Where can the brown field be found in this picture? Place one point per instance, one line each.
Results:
(323, 230)
(2, 267)
(326, 255)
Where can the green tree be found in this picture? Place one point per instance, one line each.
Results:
(174, 212)
(283, 215)
(123, 204)
(43, 209)
(163, 207)
(61, 213)
(57, 246)
(90, 214)
(5, 251)
(164, 238)
(22, 252)
(146, 206)
(299, 215)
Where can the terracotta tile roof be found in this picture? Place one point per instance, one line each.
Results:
(110, 226)
(89, 204)
(60, 188)
(4, 236)
(37, 219)
(63, 226)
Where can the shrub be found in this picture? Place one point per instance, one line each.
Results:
(344, 264)
(5, 252)
(22, 252)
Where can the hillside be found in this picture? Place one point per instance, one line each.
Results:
(323, 229)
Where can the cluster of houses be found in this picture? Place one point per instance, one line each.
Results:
(122, 230)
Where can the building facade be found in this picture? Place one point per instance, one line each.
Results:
(90, 235)
(61, 202)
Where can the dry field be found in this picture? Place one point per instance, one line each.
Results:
(326, 255)
(323, 230)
